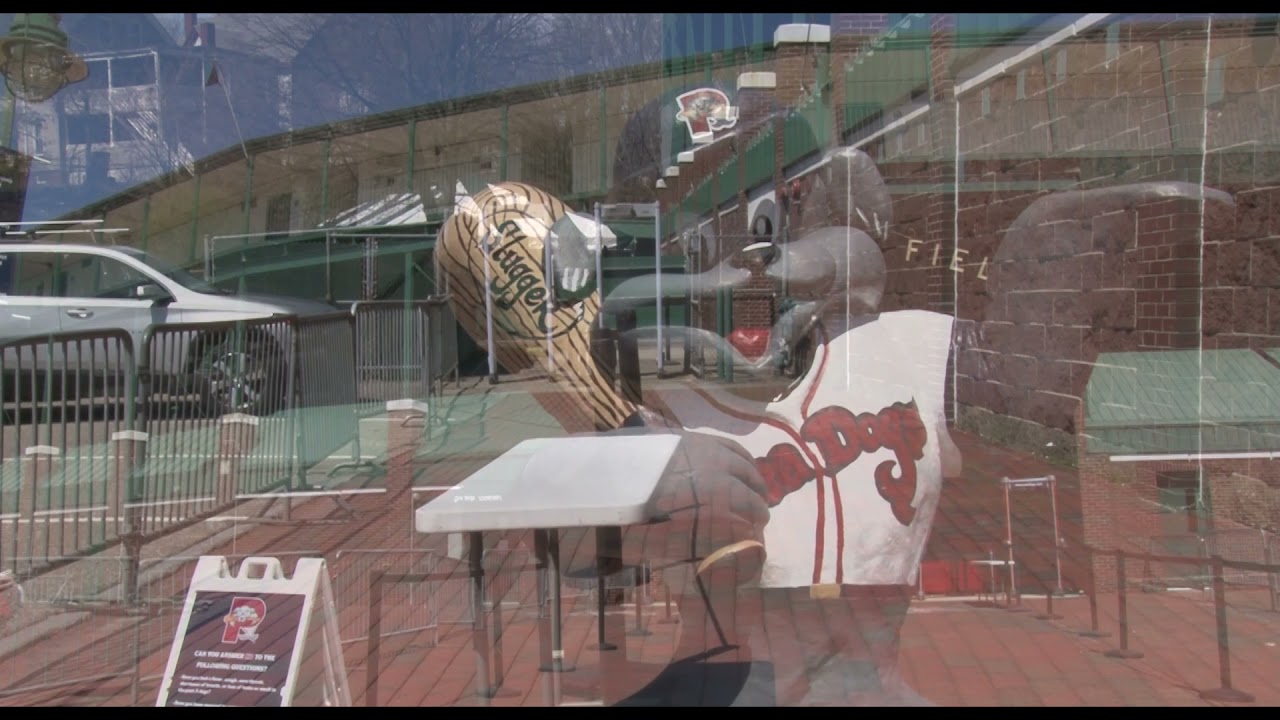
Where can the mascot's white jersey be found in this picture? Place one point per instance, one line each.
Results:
(852, 455)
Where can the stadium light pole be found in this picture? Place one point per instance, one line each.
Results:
(36, 62)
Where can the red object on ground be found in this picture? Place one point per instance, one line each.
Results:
(751, 342)
(950, 577)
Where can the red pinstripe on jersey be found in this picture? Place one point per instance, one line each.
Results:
(821, 473)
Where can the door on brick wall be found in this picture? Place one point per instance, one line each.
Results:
(1184, 524)
(1182, 513)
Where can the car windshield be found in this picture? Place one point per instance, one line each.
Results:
(174, 273)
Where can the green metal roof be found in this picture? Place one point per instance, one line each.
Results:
(1167, 402)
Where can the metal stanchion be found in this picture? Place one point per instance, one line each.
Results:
(1094, 631)
(667, 617)
(639, 630)
(1268, 557)
(608, 548)
(549, 696)
(135, 675)
(1224, 693)
(1123, 652)
(1013, 596)
(495, 627)
(479, 628)
(495, 638)
(1048, 613)
(374, 653)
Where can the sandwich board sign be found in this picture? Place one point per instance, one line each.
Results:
(256, 638)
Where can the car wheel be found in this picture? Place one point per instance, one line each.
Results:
(249, 380)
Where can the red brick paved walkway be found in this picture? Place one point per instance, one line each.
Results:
(953, 653)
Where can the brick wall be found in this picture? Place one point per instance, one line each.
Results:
(1035, 306)
(849, 28)
(1034, 312)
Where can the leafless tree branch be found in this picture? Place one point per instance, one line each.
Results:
(355, 63)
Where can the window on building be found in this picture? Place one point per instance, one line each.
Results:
(133, 71)
(88, 128)
(124, 127)
(1216, 91)
(1113, 42)
(278, 211)
(97, 78)
(31, 135)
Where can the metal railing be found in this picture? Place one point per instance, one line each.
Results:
(1220, 569)
(327, 395)
(108, 438)
(1246, 545)
(350, 262)
(117, 445)
(396, 338)
(416, 606)
(65, 404)
(215, 418)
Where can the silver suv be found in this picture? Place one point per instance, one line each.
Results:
(61, 288)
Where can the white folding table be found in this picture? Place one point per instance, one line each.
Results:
(548, 484)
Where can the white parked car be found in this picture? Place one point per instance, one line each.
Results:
(61, 288)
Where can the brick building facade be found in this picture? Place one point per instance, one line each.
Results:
(1119, 269)
(1110, 190)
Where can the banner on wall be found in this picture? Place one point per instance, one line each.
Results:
(705, 112)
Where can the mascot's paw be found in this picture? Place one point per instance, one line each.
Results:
(734, 565)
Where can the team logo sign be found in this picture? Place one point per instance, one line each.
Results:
(706, 111)
(247, 613)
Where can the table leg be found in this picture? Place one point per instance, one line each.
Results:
(688, 342)
(544, 620)
(611, 628)
(558, 663)
(637, 593)
(495, 604)
(479, 634)
(607, 545)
